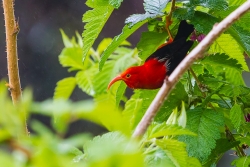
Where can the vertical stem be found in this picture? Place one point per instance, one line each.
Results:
(198, 82)
(12, 29)
(169, 21)
(230, 137)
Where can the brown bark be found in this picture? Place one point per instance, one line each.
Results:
(12, 29)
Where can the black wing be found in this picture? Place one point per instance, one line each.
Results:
(175, 52)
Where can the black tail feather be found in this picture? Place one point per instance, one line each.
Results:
(178, 57)
(184, 30)
(176, 51)
(183, 47)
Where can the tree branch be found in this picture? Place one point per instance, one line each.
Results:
(12, 29)
(196, 53)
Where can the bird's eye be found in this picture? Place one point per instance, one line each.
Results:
(128, 75)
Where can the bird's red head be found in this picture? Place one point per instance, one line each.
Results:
(129, 76)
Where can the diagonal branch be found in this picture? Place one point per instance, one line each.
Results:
(196, 53)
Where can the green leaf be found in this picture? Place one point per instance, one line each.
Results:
(79, 39)
(222, 146)
(203, 22)
(211, 82)
(71, 56)
(234, 90)
(153, 8)
(136, 18)
(114, 142)
(236, 115)
(78, 154)
(236, 2)
(102, 79)
(109, 114)
(95, 20)
(141, 99)
(77, 140)
(198, 69)
(95, 82)
(176, 96)
(241, 36)
(64, 88)
(242, 162)
(96, 3)
(103, 112)
(242, 22)
(222, 63)
(184, 13)
(42, 129)
(12, 121)
(7, 159)
(232, 49)
(194, 162)
(126, 32)
(66, 41)
(115, 3)
(112, 149)
(158, 158)
(222, 60)
(206, 124)
(234, 77)
(160, 130)
(106, 42)
(175, 150)
(120, 60)
(120, 93)
(84, 80)
(103, 45)
(132, 111)
(117, 91)
(211, 4)
(149, 42)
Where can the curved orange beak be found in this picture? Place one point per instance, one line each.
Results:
(118, 78)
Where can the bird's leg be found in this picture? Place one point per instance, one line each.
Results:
(170, 40)
(168, 23)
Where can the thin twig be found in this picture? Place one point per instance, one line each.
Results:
(168, 19)
(198, 82)
(200, 86)
(229, 134)
(196, 53)
(224, 100)
(230, 137)
(12, 29)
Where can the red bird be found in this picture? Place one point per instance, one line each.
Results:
(160, 64)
